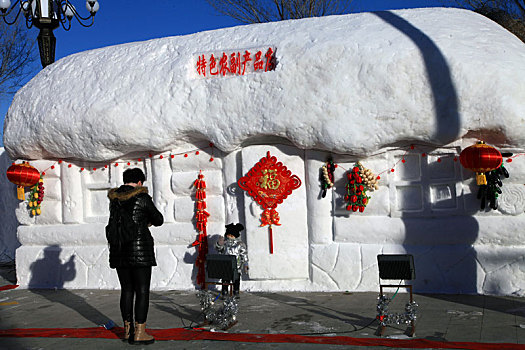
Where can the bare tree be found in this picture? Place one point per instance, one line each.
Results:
(258, 11)
(510, 14)
(515, 8)
(16, 57)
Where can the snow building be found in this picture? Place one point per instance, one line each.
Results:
(403, 92)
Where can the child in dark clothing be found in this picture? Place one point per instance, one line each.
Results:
(231, 244)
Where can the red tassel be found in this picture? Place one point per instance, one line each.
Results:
(271, 239)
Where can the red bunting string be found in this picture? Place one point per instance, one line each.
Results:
(419, 150)
(165, 155)
(34, 203)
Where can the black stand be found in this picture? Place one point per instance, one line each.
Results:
(396, 267)
(230, 286)
(412, 329)
(223, 267)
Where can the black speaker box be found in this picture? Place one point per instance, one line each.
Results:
(396, 267)
(222, 266)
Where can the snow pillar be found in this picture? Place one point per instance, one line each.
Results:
(320, 217)
(72, 203)
(290, 240)
(160, 180)
(233, 198)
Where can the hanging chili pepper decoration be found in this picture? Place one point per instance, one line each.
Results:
(201, 217)
(488, 193)
(37, 196)
(269, 183)
(356, 197)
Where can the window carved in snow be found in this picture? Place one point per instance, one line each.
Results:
(425, 185)
(96, 183)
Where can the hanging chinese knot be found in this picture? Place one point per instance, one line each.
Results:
(201, 216)
(269, 183)
(22, 175)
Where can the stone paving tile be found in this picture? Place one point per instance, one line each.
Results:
(440, 317)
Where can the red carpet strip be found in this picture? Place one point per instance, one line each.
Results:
(9, 286)
(185, 334)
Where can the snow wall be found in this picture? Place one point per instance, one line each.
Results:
(430, 77)
(8, 205)
(427, 208)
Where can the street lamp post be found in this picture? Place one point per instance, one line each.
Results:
(47, 15)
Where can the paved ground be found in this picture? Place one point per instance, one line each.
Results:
(447, 318)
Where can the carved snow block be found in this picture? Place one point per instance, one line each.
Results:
(162, 195)
(182, 182)
(504, 269)
(319, 209)
(72, 195)
(290, 240)
(51, 212)
(47, 267)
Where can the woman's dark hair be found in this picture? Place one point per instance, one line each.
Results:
(133, 175)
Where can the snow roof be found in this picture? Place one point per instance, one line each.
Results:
(349, 84)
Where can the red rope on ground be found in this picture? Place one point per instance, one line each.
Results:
(9, 286)
(185, 334)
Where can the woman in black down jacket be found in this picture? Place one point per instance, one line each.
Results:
(131, 250)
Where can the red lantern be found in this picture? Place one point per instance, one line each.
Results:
(22, 175)
(481, 158)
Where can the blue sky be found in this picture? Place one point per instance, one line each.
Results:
(122, 21)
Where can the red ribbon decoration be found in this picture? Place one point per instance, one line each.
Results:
(269, 183)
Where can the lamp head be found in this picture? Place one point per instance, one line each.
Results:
(92, 6)
(4, 5)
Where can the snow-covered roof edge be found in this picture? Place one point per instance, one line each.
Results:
(349, 84)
